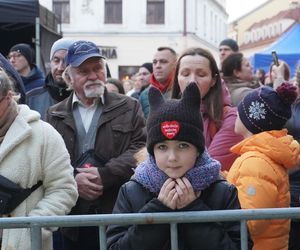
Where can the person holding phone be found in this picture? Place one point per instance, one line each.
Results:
(279, 71)
(238, 77)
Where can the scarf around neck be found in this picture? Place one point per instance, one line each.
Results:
(162, 87)
(205, 172)
(56, 91)
(7, 118)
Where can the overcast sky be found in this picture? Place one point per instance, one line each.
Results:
(237, 8)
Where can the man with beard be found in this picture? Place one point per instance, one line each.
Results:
(102, 131)
(55, 88)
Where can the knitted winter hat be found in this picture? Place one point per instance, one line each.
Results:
(265, 109)
(60, 44)
(25, 50)
(230, 43)
(175, 119)
(148, 66)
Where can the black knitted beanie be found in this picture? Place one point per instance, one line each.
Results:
(25, 50)
(231, 44)
(175, 119)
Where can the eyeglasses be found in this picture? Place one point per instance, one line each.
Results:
(14, 55)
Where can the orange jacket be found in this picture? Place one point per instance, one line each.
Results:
(260, 175)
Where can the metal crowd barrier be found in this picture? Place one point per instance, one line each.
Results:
(172, 218)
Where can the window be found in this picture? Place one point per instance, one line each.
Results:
(126, 72)
(61, 8)
(155, 11)
(113, 11)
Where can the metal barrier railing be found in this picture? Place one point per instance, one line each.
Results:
(172, 218)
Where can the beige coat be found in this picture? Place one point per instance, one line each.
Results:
(32, 150)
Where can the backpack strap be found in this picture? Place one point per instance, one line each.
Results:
(36, 186)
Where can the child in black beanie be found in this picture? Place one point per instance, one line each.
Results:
(267, 154)
(178, 175)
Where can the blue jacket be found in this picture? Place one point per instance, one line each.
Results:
(35, 79)
(40, 99)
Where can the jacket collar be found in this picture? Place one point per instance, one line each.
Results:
(112, 101)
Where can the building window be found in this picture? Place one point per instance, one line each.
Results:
(61, 8)
(155, 11)
(113, 11)
(127, 72)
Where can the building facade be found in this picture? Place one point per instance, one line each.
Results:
(130, 31)
(259, 28)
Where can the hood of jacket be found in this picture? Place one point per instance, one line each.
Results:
(276, 145)
(234, 83)
(19, 130)
(34, 74)
(27, 114)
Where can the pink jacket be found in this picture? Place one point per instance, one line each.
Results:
(219, 143)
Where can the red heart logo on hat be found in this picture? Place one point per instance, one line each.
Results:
(170, 129)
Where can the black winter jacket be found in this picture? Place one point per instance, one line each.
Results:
(134, 198)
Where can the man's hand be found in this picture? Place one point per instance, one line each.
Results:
(92, 170)
(89, 183)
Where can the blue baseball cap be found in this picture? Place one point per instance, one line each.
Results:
(80, 51)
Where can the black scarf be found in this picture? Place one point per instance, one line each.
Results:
(56, 91)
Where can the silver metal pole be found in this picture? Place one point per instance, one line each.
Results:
(102, 237)
(174, 236)
(244, 235)
(37, 42)
(36, 237)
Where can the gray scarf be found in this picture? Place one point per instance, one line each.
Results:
(205, 172)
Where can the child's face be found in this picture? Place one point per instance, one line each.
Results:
(239, 128)
(175, 158)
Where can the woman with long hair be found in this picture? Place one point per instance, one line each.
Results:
(199, 66)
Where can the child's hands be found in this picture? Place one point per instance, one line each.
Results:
(185, 192)
(168, 195)
(177, 194)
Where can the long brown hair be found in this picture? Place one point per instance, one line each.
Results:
(213, 100)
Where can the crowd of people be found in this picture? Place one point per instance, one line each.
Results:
(183, 134)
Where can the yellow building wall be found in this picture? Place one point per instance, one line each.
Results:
(267, 10)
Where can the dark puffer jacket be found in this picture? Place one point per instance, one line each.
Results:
(134, 198)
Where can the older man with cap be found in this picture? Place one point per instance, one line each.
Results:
(102, 131)
(21, 57)
(55, 88)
